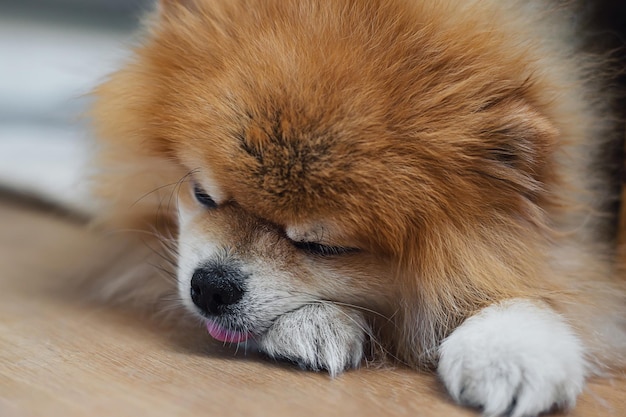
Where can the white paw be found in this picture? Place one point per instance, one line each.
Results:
(316, 337)
(516, 358)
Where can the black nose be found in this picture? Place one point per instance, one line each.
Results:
(215, 287)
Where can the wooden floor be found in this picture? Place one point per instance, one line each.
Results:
(62, 357)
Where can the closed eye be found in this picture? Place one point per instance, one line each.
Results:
(318, 249)
(203, 198)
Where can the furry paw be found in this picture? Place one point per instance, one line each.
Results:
(317, 337)
(516, 359)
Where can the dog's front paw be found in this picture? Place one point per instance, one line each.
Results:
(317, 337)
(516, 358)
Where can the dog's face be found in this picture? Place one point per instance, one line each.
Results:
(332, 152)
(241, 270)
(276, 215)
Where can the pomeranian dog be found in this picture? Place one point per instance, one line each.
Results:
(421, 175)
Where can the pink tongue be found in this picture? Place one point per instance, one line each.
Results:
(224, 335)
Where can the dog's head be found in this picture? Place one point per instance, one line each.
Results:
(352, 151)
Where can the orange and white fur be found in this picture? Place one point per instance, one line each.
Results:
(415, 173)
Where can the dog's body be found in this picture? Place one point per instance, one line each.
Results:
(417, 172)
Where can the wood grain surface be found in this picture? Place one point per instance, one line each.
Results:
(62, 356)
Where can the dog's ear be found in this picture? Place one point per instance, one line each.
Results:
(517, 141)
(521, 136)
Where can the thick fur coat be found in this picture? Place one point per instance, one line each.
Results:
(420, 173)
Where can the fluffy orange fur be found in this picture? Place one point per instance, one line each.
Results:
(450, 141)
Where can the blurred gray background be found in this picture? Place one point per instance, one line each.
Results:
(52, 53)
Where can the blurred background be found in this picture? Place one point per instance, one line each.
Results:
(52, 53)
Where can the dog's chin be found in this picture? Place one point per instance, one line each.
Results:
(233, 328)
(227, 334)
